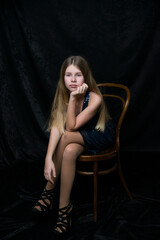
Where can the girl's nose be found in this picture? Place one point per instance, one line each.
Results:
(73, 78)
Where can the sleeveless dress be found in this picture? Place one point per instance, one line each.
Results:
(95, 140)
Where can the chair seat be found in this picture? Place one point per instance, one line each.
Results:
(103, 155)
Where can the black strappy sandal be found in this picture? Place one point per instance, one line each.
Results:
(63, 224)
(45, 203)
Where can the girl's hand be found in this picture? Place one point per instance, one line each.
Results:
(49, 170)
(80, 90)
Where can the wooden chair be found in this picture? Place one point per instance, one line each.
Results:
(113, 91)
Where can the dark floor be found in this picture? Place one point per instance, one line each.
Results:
(118, 217)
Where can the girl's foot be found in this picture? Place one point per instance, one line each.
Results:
(44, 205)
(64, 220)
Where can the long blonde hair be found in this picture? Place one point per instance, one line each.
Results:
(61, 99)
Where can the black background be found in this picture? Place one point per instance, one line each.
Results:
(121, 42)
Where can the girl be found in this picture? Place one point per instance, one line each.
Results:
(78, 118)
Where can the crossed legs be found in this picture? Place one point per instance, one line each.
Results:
(70, 146)
(68, 149)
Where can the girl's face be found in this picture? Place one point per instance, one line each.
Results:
(73, 78)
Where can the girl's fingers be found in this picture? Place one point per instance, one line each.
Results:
(46, 176)
(84, 87)
(78, 90)
(81, 89)
(54, 173)
(84, 84)
(50, 179)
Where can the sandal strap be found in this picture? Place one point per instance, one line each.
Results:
(65, 209)
(46, 195)
(48, 192)
(42, 206)
(64, 217)
(61, 226)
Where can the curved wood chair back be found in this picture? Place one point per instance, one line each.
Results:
(120, 93)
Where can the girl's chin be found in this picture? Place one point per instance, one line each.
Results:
(73, 89)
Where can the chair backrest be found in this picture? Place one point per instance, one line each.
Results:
(117, 98)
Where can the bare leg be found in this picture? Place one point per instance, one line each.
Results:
(71, 152)
(68, 167)
(66, 139)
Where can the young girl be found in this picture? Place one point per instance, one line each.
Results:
(79, 121)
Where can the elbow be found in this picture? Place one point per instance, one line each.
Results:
(71, 128)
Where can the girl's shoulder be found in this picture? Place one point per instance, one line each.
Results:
(94, 97)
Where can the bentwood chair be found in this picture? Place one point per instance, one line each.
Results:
(117, 98)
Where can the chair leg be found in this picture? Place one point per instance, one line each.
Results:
(95, 169)
(122, 178)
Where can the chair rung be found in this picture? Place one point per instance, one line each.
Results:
(99, 172)
(85, 173)
(108, 170)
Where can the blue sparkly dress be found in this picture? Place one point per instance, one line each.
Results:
(94, 140)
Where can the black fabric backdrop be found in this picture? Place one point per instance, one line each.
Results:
(121, 42)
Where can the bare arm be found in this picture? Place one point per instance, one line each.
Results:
(49, 168)
(54, 138)
(74, 122)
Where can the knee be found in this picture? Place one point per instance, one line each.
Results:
(70, 153)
